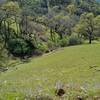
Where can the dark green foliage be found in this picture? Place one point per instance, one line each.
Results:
(88, 6)
(20, 47)
(59, 2)
(74, 40)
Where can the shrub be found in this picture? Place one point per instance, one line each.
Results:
(51, 45)
(41, 48)
(74, 40)
(64, 42)
(20, 47)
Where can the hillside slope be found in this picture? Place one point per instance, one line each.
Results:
(72, 65)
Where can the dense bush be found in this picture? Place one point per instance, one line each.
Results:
(74, 40)
(64, 42)
(52, 45)
(41, 48)
(20, 47)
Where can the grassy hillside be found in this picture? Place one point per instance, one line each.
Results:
(74, 66)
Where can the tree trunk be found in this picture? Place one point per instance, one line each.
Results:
(90, 38)
(90, 41)
(51, 33)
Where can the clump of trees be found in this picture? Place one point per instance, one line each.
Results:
(87, 26)
(34, 27)
(20, 47)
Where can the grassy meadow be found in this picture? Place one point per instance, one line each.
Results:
(76, 67)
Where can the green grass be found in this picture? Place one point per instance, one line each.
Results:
(76, 65)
